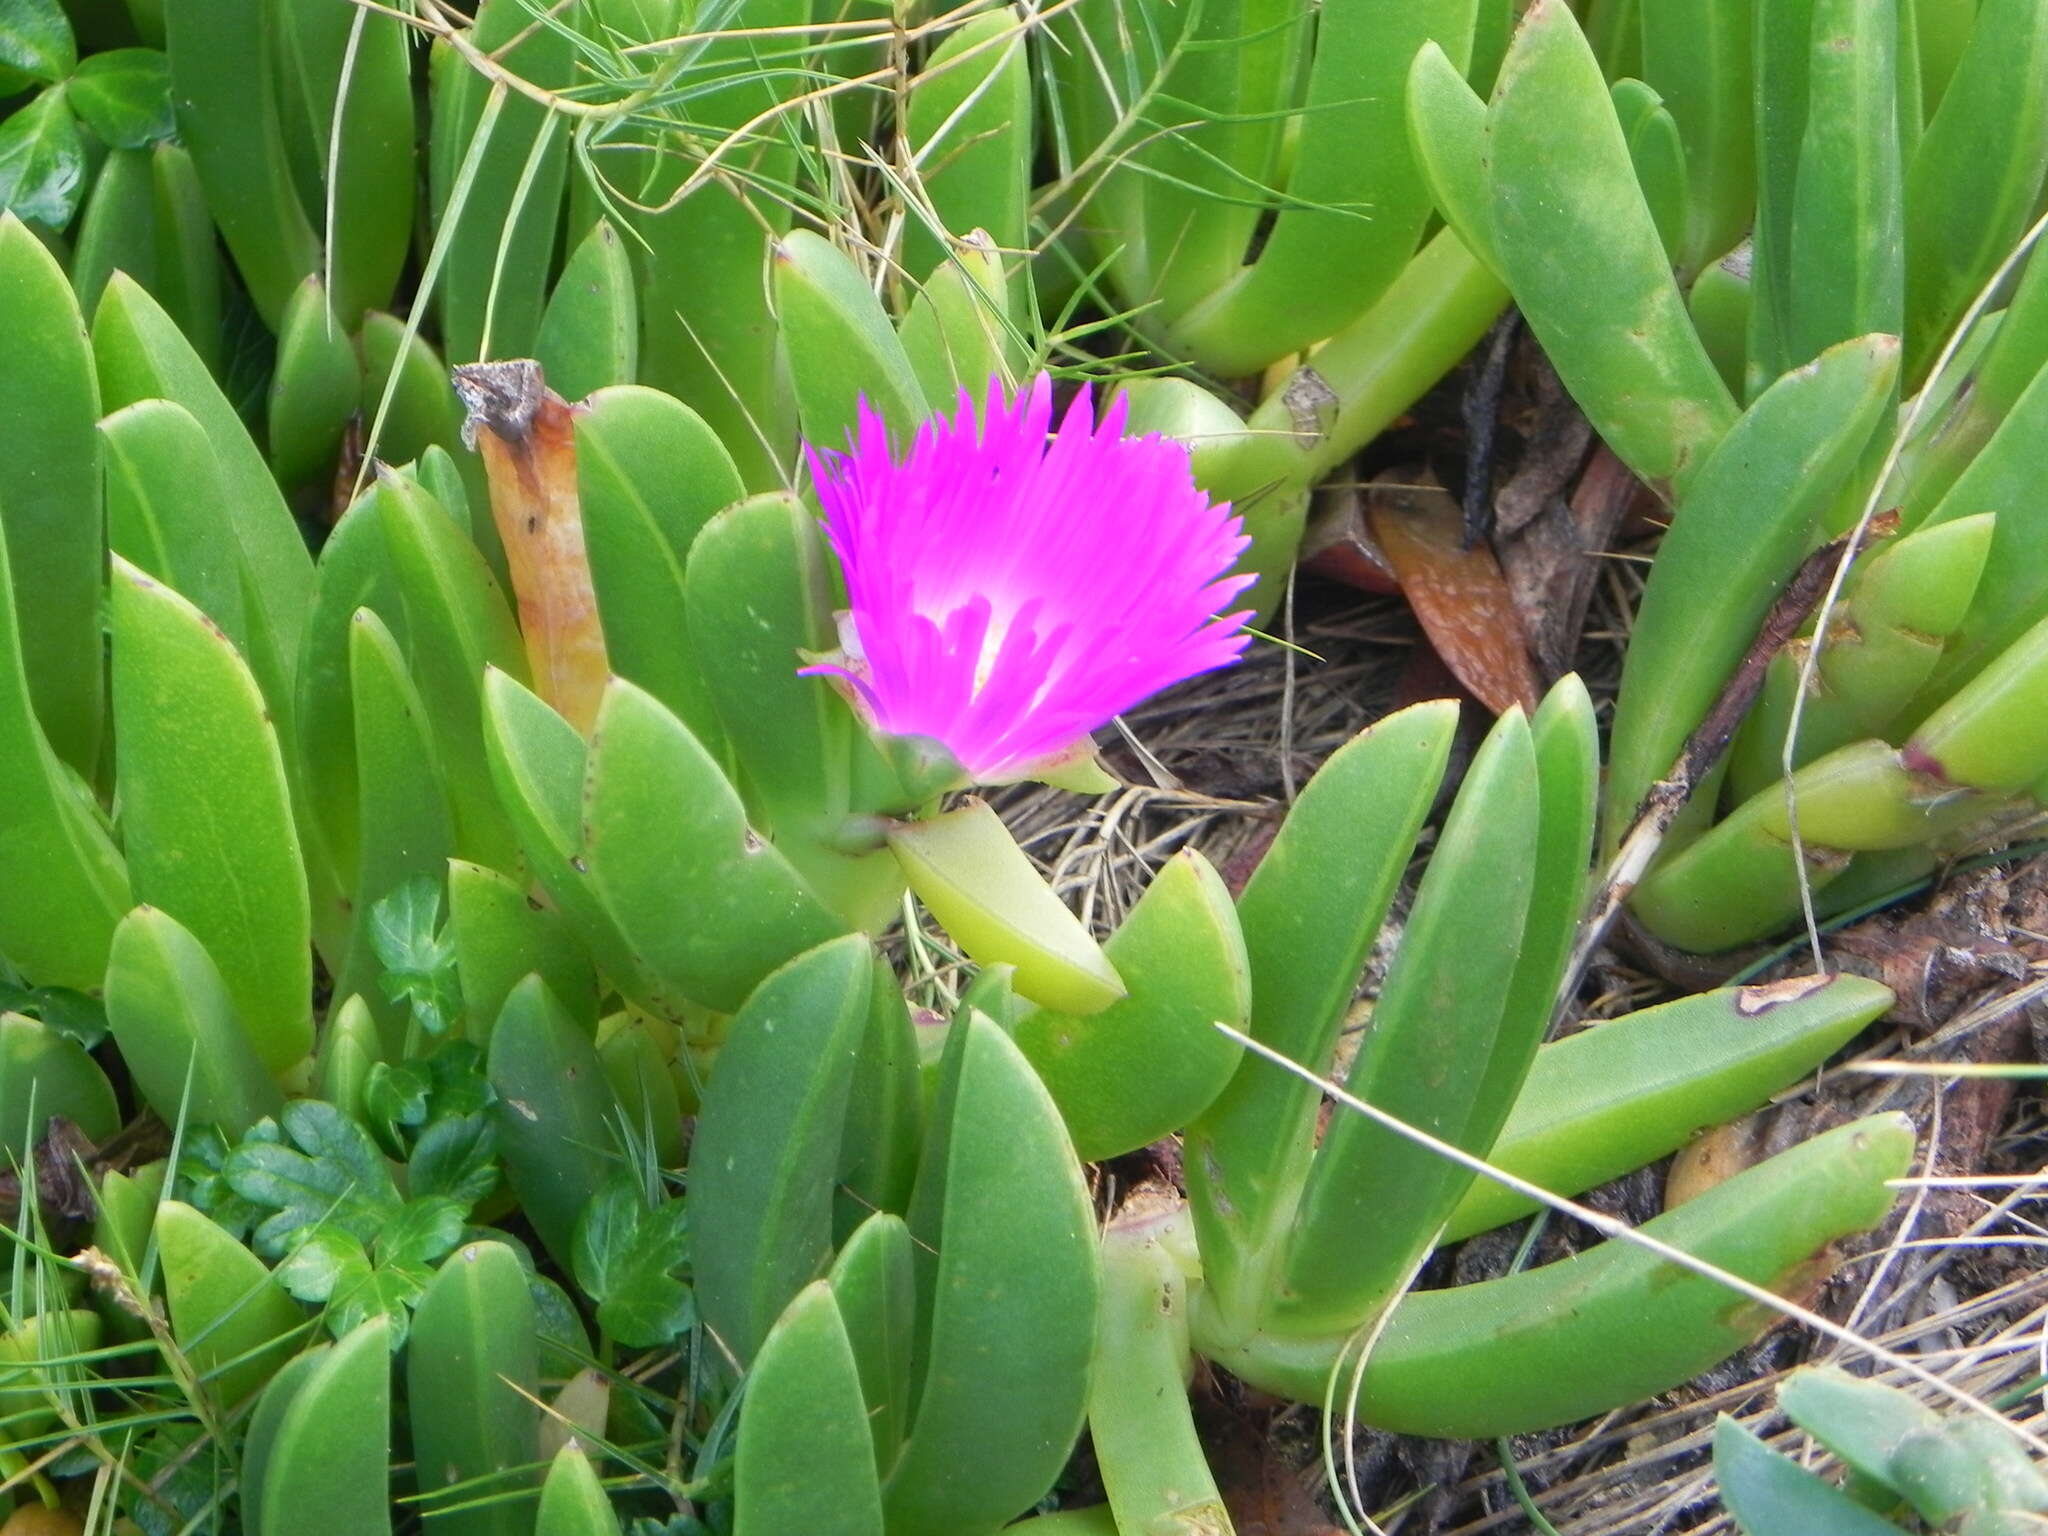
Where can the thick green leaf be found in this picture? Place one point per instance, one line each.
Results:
(640, 1054)
(710, 338)
(372, 145)
(1769, 1495)
(1139, 1420)
(884, 1112)
(503, 935)
(1447, 135)
(167, 511)
(967, 126)
(805, 1460)
(1847, 249)
(1658, 155)
(1146, 1065)
(967, 868)
(206, 811)
(662, 825)
(1567, 741)
(1782, 35)
(841, 345)
(143, 355)
(49, 503)
(1899, 608)
(472, 1383)
(957, 329)
(45, 1073)
(1578, 246)
(590, 335)
(537, 762)
(874, 1281)
(766, 1153)
(1988, 736)
(501, 240)
(456, 626)
(179, 1033)
(1739, 882)
(1861, 1421)
(423, 414)
(1309, 913)
(651, 474)
(2000, 478)
(1697, 55)
(1355, 200)
(225, 93)
(187, 277)
(572, 1500)
(405, 832)
(1751, 513)
(350, 1048)
(261, 1438)
(553, 1113)
(355, 572)
(1973, 182)
(1007, 1283)
(118, 232)
(329, 1464)
(1612, 1325)
(1428, 1057)
(315, 389)
(231, 1320)
(761, 592)
(1622, 1094)
(56, 927)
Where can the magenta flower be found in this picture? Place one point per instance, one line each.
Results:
(1010, 593)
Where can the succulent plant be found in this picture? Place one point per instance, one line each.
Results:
(456, 819)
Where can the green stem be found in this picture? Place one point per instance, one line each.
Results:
(1151, 1459)
(1347, 392)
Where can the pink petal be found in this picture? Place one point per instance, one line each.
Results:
(1014, 587)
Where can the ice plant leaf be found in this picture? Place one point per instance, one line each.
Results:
(965, 866)
(1010, 593)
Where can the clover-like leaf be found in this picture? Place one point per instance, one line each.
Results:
(418, 959)
(42, 161)
(173, 1490)
(36, 40)
(423, 1233)
(357, 1280)
(389, 1291)
(459, 1086)
(330, 1174)
(326, 1259)
(202, 1183)
(71, 1013)
(455, 1157)
(628, 1250)
(124, 96)
(394, 1098)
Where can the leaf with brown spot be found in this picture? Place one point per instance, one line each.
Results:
(1339, 545)
(527, 437)
(1458, 594)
